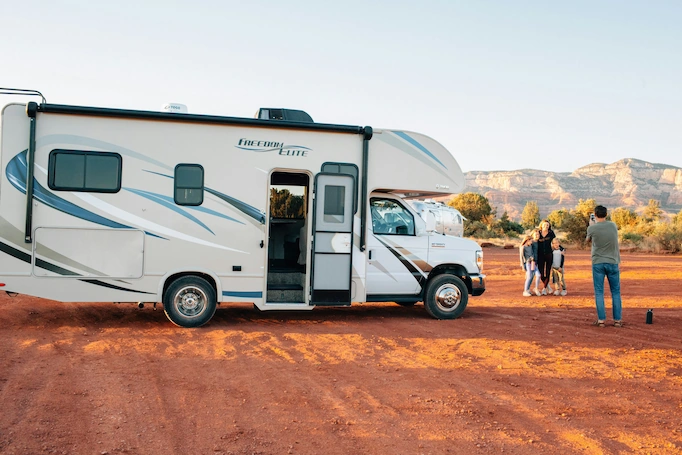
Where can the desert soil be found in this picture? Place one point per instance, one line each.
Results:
(513, 375)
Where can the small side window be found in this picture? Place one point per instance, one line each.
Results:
(85, 171)
(189, 184)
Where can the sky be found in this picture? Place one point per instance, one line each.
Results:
(503, 85)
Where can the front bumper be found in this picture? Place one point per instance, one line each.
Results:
(477, 284)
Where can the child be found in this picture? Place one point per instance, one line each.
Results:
(528, 253)
(558, 267)
(535, 235)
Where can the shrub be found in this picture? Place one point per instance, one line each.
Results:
(631, 238)
(669, 237)
(506, 227)
(478, 230)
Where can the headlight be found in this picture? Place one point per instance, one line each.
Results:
(479, 260)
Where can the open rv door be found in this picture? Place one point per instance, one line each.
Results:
(332, 239)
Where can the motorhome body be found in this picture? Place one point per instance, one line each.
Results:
(193, 210)
(447, 220)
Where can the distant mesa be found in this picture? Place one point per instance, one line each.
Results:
(627, 183)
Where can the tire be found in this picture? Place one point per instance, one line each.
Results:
(446, 296)
(190, 301)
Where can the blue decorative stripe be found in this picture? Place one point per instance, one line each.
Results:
(199, 208)
(16, 173)
(243, 207)
(246, 294)
(169, 204)
(418, 145)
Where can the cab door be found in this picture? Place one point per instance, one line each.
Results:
(332, 243)
(396, 257)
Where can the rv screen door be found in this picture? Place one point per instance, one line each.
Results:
(332, 239)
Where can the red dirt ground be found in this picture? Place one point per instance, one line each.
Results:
(513, 375)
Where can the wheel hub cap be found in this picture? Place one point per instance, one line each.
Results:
(190, 301)
(448, 297)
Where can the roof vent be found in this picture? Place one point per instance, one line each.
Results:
(292, 115)
(176, 108)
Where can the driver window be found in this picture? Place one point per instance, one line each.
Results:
(390, 218)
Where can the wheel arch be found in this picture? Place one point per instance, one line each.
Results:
(453, 269)
(169, 278)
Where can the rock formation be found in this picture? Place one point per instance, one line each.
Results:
(627, 183)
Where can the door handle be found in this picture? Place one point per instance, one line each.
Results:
(370, 255)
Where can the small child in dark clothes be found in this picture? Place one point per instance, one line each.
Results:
(558, 267)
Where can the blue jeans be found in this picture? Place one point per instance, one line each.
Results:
(612, 273)
(529, 275)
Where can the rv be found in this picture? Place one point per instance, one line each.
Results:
(448, 220)
(115, 205)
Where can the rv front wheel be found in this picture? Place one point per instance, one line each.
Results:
(190, 301)
(445, 297)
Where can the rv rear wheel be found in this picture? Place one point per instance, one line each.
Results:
(190, 301)
(446, 297)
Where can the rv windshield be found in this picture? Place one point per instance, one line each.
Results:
(389, 217)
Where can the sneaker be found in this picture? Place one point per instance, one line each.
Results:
(557, 292)
(549, 289)
(544, 291)
(564, 292)
(527, 293)
(537, 292)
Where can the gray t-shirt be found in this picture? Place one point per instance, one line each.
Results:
(604, 237)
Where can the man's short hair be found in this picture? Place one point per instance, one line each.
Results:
(600, 211)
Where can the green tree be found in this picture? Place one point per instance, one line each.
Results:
(557, 218)
(653, 211)
(530, 217)
(624, 218)
(677, 219)
(584, 209)
(507, 227)
(474, 207)
(576, 222)
(283, 204)
(575, 228)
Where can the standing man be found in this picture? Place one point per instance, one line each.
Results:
(605, 259)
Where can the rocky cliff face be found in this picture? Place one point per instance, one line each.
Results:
(626, 183)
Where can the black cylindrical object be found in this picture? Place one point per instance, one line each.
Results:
(650, 316)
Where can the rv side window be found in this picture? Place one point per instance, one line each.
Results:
(77, 170)
(189, 184)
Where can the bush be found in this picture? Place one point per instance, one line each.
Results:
(669, 237)
(575, 227)
(506, 227)
(631, 238)
(478, 230)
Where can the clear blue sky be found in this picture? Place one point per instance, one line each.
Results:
(504, 85)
